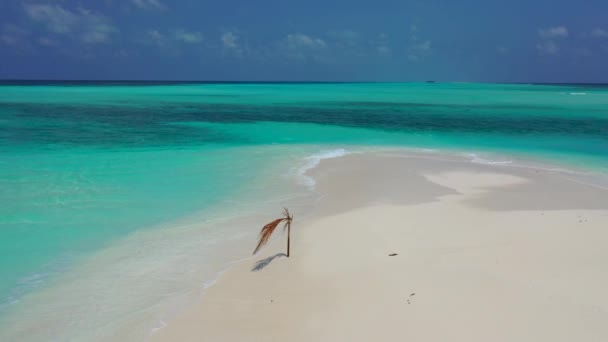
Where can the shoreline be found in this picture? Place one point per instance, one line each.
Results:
(316, 167)
(229, 310)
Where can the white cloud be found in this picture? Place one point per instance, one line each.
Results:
(424, 46)
(502, 49)
(553, 32)
(383, 49)
(122, 53)
(8, 39)
(154, 34)
(98, 33)
(600, 33)
(149, 4)
(80, 24)
(302, 48)
(413, 32)
(547, 48)
(55, 17)
(156, 37)
(45, 41)
(418, 49)
(302, 41)
(547, 44)
(582, 52)
(230, 40)
(169, 38)
(12, 35)
(187, 36)
(232, 45)
(382, 44)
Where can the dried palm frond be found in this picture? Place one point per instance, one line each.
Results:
(287, 218)
(266, 232)
(269, 228)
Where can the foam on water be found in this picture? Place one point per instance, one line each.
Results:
(313, 161)
(475, 158)
(532, 164)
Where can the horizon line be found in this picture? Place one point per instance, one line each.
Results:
(14, 80)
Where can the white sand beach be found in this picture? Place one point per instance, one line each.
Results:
(484, 253)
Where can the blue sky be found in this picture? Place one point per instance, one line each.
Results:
(382, 40)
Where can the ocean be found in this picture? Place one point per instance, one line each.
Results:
(115, 196)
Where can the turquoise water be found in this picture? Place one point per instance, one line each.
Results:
(85, 165)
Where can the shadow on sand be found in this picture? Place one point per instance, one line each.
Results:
(259, 265)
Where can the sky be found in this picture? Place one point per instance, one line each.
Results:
(540, 41)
